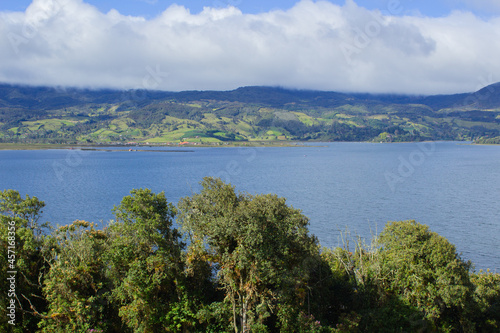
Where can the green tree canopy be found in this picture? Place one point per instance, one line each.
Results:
(259, 244)
(22, 215)
(250, 266)
(76, 288)
(425, 269)
(144, 260)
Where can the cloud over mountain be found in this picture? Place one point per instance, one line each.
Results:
(314, 45)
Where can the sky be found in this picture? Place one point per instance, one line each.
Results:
(374, 46)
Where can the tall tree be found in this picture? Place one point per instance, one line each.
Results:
(76, 288)
(144, 260)
(259, 245)
(487, 298)
(21, 241)
(425, 270)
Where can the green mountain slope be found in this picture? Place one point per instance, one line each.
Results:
(49, 115)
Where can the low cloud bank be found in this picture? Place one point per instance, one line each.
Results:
(314, 45)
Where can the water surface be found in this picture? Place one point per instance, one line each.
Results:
(452, 187)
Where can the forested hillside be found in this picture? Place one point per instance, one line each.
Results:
(245, 263)
(49, 115)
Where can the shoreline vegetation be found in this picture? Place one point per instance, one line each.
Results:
(236, 263)
(137, 147)
(488, 141)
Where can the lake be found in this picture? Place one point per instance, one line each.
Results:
(452, 187)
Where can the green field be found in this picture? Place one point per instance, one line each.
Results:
(245, 115)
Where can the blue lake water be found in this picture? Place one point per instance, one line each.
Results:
(452, 187)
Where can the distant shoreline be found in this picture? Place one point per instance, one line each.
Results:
(138, 147)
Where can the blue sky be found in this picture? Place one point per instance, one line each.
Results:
(380, 46)
(152, 8)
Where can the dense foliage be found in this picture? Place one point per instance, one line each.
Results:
(489, 141)
(45, 115)
(247, 264)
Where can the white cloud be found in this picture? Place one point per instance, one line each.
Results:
(314, 45)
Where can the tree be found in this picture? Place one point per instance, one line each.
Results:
(349, 297)
(144, 260)
(21, 240)
(424, 269)
(75, 287)
(259, 245)
(487, 298)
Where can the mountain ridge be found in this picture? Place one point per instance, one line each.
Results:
(241, 94)
(47, 114)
